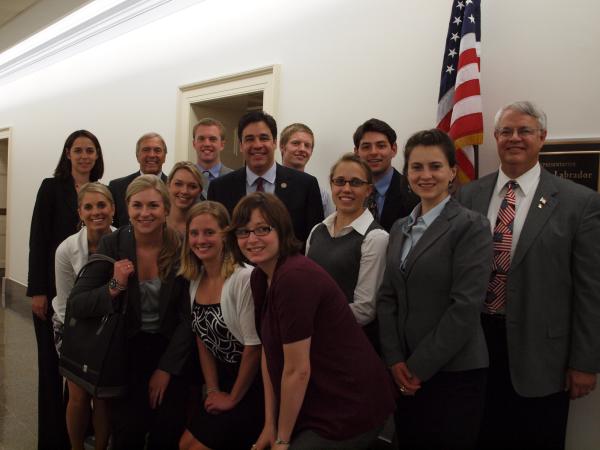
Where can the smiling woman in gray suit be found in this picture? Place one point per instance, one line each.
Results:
(438, 267)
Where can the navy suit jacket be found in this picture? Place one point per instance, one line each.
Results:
(118, 188)
(298, 191)
(399, 201)
(553, 287)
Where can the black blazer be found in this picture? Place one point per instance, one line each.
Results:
(118, 188)
(298, 191)
(54, 219)
(90, 297)
(399, 201)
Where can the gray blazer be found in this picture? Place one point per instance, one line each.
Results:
(553, 288)
(429, 311)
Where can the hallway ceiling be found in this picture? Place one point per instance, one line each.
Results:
(11, 8)
(20, 19)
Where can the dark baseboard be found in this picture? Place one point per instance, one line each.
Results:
(15, 297)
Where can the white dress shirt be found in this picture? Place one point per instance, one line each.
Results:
(528, 183)
(372, 263)
(69, 258)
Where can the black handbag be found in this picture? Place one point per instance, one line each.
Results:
(93, 353)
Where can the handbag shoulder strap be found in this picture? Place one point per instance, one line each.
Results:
(95, 257)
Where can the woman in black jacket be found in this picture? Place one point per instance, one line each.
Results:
(157, 318)
(54, 219)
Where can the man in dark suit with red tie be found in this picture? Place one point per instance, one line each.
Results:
(299, 191)
(541, 315)
(375, 143)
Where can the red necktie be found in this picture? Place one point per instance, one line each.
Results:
(503, 233)
(259, 184)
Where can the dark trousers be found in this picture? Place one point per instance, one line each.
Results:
(510, 420)
(134, 422)
(444, 414)
(310, 440)
(52, 427)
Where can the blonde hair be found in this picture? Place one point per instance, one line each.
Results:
(169, 251)
(190, 167)
(191, 266)
(97, 188)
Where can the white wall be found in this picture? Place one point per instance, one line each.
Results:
(342, 62)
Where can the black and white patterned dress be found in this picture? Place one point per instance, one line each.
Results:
(237, 428)
(208, 324)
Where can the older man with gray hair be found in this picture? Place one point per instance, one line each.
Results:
(150, 152)
(541, 315)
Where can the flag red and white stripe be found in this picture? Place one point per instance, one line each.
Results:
(459, 103)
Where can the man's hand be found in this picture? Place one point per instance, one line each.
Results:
(580, 384)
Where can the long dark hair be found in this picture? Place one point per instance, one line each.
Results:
(63, 168)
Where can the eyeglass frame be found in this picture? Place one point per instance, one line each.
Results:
(522, 132)
(358, 183)
(246, 231)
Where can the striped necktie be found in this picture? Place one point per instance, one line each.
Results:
(372, 204)
(259, 184)
(503, 233)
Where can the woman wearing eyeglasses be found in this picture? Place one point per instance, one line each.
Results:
(318, 394)
(349, 244)
(429, 304)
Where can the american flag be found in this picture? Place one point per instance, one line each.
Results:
(459, 104)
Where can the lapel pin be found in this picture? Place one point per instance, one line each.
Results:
(542, 203)
(283, 185)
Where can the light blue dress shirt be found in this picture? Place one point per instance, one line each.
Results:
(213, 172)
(381, 188)
(268, 177)
(417, 224)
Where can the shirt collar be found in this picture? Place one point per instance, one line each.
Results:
(383, 184)
(268, 176)
(429, 216)
(527, 182)
(360, 224)
(159, 175)
(214, 170)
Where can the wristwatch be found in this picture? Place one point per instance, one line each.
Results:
(114, 284)
(280, 441)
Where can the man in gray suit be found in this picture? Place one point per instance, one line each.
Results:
(208, 138)
(542, 312)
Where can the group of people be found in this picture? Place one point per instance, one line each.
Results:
(264, 311)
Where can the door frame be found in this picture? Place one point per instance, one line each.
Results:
(6, 133)
(263, 79)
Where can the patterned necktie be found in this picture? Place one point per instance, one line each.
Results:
(503, 233)
(259, 184)
(372, 204)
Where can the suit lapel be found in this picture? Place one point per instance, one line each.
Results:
(536, 216)
(481, 198)
(437, 229)
(392, 201)
(238, 190)
(282, 184)
(126, 246)
(70, 194)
